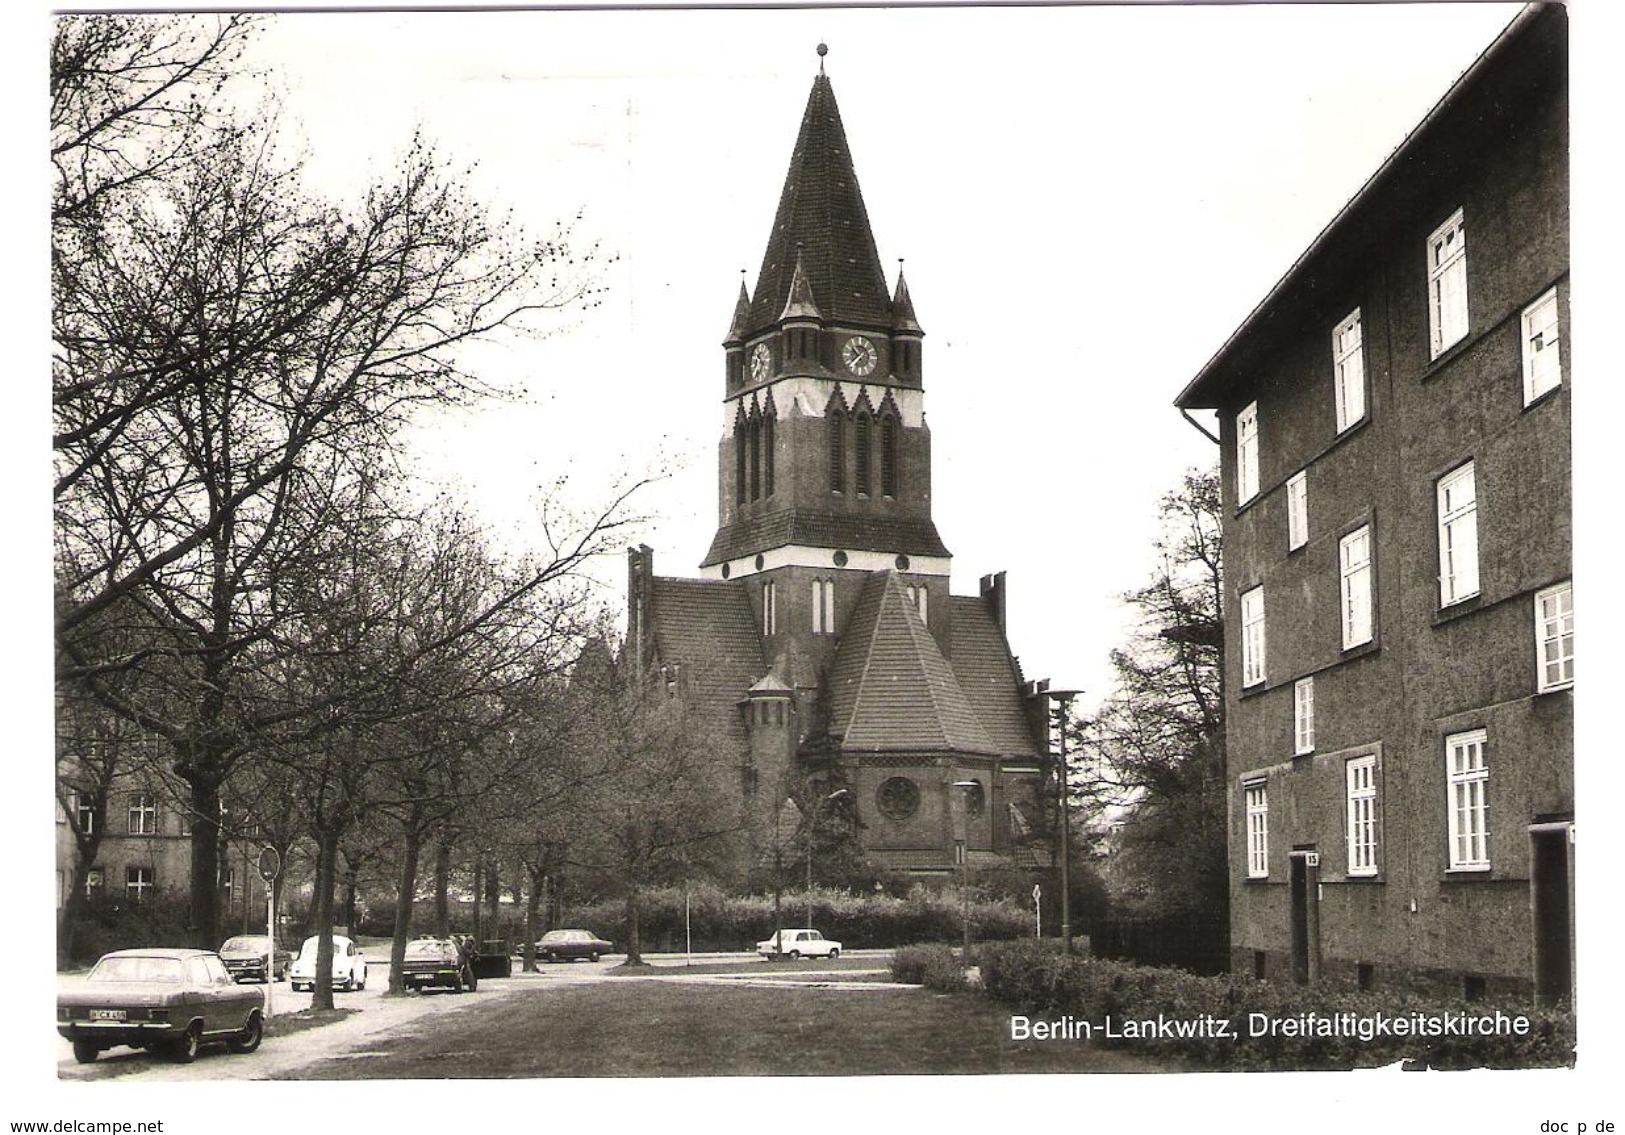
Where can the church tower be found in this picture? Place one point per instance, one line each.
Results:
(824, 470)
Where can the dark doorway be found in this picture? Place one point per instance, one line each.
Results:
(1553, 886)
(1304, 883)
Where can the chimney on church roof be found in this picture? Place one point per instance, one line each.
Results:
(993, 596)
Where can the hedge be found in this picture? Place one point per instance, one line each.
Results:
(1037, 979)
(936, 967)
(720, 921)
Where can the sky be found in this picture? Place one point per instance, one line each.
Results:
(1089, 200)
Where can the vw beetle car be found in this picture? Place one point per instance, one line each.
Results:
(170, 1001)
(349, 966)
(567, 945)
(251, 957)
(437, 962)
(798, 944)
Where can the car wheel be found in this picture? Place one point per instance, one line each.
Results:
(362, 984)
(85, 1052)
(833, 954)
(183, 1049)
(593, 957)
(249, 1039)
(795, 955)
(550, 957)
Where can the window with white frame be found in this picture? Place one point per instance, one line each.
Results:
(1258, 830)
(1467, 776)
(82, 811)
(1447, 284)
(770, 607)
(1303, 716)
(1297, 510)
(1252, 636)
(1542, 350)
(1348, 371)
(1458, 536)
(95, 879)
(823, 597)
(1362, 815)
(1554, 637)
(143, 814)
(137, 882)
(1354, 559)
(1247, 453)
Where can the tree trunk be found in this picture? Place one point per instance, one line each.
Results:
(479, 884)
(203, 910)
(442, 881)
(411, 846)
(634, 932)
(347, 909)
(327, 848)
(533, 915)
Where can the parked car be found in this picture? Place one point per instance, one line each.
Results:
(438, 963)
(799, 944)
(252, 957)
(349, 965)
(493, 959)
(169, 1001)
(567, 945)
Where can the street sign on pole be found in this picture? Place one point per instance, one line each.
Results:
(270, 866)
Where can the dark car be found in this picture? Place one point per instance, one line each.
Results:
(251, 957)
(567, 945)
(438, 963)
(493, 959)
(169, 1001)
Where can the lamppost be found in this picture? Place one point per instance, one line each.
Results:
(1062, 700)
(812, 830)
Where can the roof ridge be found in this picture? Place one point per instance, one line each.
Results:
(917, 629)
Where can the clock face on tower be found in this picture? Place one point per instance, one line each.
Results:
(761, 361)
(858, 353)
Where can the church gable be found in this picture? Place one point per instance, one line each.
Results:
(890, 686)
(989, 675)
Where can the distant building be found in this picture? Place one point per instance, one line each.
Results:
(822, 637)
(1398, 606)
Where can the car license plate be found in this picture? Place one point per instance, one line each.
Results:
(107, 1014)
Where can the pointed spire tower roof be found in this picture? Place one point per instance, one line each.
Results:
(821, 210)
(741, 320)
(902, 307)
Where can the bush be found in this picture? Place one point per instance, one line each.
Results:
(113, 922)
(1036, 979)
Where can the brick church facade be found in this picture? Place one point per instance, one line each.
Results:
(821, 636)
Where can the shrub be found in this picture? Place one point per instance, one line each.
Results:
(112, 922)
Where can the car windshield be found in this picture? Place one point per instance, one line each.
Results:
(308, 950)
(242, 945)
(167, 971)
(428, 948)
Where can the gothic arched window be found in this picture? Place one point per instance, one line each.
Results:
(835, 422)
(755, 456)
(741, 440)
(888, 455)
(769, 421)
(860, 443)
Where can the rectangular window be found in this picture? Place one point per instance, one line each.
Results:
(1467, 776)
(770, 607)
(1354, 558)
(1303, 716)
(1447, 284)
(1297, 510)
(1542, 354)
(1252, 637)
(1458, 536)
(137, 882)
(82, 810)
(1258, 831)
(95, 879)
(143, 814)
(1247, 453)
(1348, 371)
(823, 597)
(1554, 637)
(1362, 815)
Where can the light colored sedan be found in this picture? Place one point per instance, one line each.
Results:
(798, 944)
(349, 965)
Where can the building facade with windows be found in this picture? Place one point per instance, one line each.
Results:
(822, 638)
(1396, 476)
